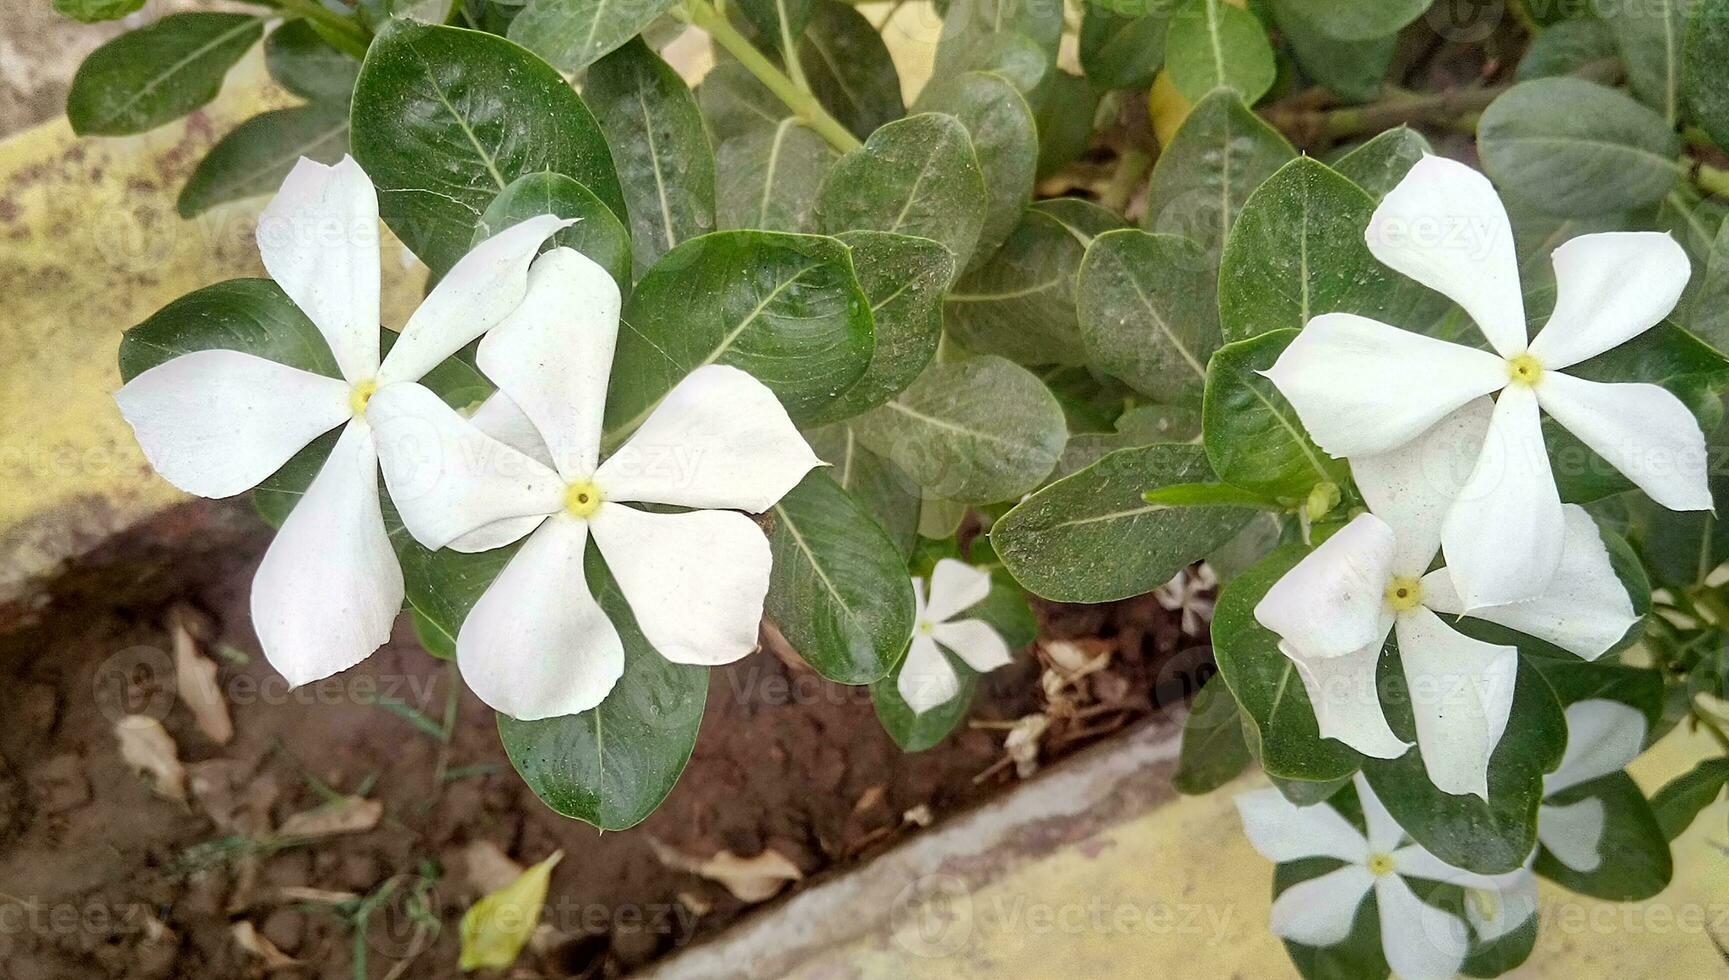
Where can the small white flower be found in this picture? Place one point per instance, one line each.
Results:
(1602, 737)
(537, 644)
(927, 678)
(1362, 387)
(1419, 940)
(1334, 609)
(218, 422)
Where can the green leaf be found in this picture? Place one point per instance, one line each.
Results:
(1213, 44)
(1213, 751)
(1064, 108)
(597, 233)
(1219, 156)
(1123, 49)
(1707, 311)
(877, 484)
(573, 34)
(1564, 48)
(1253, 437)
(249, 315)
(974, 431)
(612, 765)
(1353, 70)
(785, 308)
(915, 176)
(1144, 425)
(1083, 219)
(1148, 312)
(306, 64)
(1487, 837)
(776, 20)
(1357, 20)
(1705, 54)
(1574, 680)
(1679, 802)
(849, 69)
(991, 35)
(1020, 302)
(1091, 537)
(1005, 141)
(660, 147)
(735, 103)
(916, 732)
(1378, 165)
(1650, 35)
(1265, 682)
(903, 280)
(96, 11)
(158, 73)
(839, 589)
(1574, 148)
(255, 156)
(1636, 863)
(1208, 495)
(769, 178)
(446, 118)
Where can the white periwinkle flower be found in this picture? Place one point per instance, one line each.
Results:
(1419, 940)
(537, 644)
(218, 422)
(1362, 387)
(1334, 609)
(927, 678)
(1602, 737)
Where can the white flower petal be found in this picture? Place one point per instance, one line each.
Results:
(318, 238)
(1362, 387)
(695, 581)
(1421, 942)
(504, 420)
(1498, 910)
(1573, 833)
(927, 679)
(1461, 693)
(1603, 736)
(955, 586)
(482, 288)
(1641, 429)
(1609, 288)
(1321, 911)
(1384, 831)
(1413, 487)
(537, 645)
(1503, 537)
(1283, 831)
(329, 588)
(1444, 226)
(495, 535)
(446, 477)
(1585, 610)
(720, 438)
(216, 422)
(979, 645)
(553, 356)
(1347, 701)
(1329, 604)
(1415, 861)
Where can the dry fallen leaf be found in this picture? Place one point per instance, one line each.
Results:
(316, 896)
(754, 879)
(495, 928)
(489, 868)
(1022, 743)
(150, 751)
(195, 678)
(251, 940)
(348, 815)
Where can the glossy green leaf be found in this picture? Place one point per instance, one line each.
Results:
(848, 68)
(1011, 54)
(1219, 156)
(446, 118)
(1091, 537)
(785, 308)
(249, 315)
(306, 64)
(1213, 44)
(1682, 799)
(1005, 141)
(976, 431)
(573, 34)
(96, 11)
(1213, 751)
(735, 103)
(1705, 53)
(255, 157)
(1378, 165)
(778, 20)
(978, 34)
(1083, 219)
(1574, 148)
(1706, 311)
(597, 233)
(1357, 20)
(1020, 302)
(157, 73)
(1636, 863)
(659, 146)
(770, 178)
(915, 176)
(1148, 312)
(877, 484)
(1564, 48)
(1143, 425)
(1353, 70)
(1253, 436)
(1064, 107)
(1123, 49)
(1650, 34)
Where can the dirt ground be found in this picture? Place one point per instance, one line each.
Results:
(102, 877)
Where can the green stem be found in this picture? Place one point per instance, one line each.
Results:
(1712, 180)
(803, 104)
(341, 31)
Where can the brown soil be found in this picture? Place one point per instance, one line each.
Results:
(100, 877)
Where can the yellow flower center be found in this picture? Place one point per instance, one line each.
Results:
(1486, 903)
(360, 394)
(1381, 864)
(1524, 369)
(1404, 594)
(927, 627)
(582, 498)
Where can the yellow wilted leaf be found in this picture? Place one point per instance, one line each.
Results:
(495, 929)
(1167, 107)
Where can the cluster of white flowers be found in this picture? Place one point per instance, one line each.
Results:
(218, 422)
(1446, 470)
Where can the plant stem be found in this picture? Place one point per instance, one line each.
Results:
(341, 31)
(803, 104)
(1712, 180)
(1132, 168)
